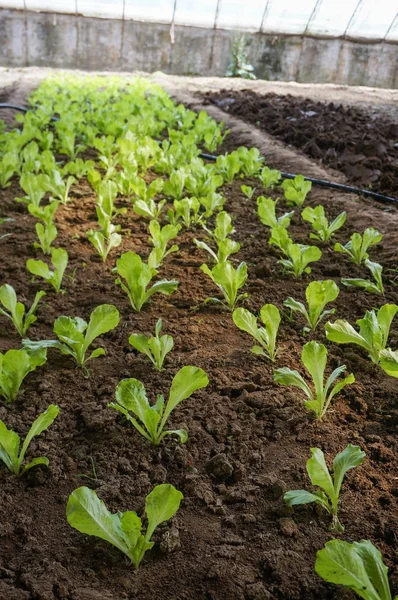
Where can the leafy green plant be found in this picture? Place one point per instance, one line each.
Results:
(323, 230)
(265, 336)
(176, 184)
(212, 202)
(229, 280)
(279, 237)
(104, 243)
(358, 245)
(248, 191)
(160, 237)
(299, 257)
(373, 333)
(314, 357)
(223, 227)
(78, 168)
(138, 275)
(34, 186)
(8, 168)
(358, 566)
(224, 249)
(367, 285)
(251, 160)
(155, 348)
(10, 452)
(185, 210)
(318, 294)
(318, 472)
(14, 366)
(75, 335)
(88, 514)
(270, 177)
(266, 210)
(46, 231)
(59, 260)
(15, 310)
(58, 187)
(239, 66)
(228, 166)
(296, 190)
(388, 360)
(150, 420)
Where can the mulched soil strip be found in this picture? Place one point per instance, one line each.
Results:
(248, 442)
(360, 144)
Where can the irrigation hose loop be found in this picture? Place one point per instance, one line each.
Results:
(321, 182)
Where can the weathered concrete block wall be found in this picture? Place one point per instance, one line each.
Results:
(74, 41)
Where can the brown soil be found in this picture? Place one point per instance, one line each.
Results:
(360, 143)
(238, 539)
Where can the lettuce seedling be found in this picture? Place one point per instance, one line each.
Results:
(269, 177)
(211, 203)
(318, 294)
(314, 358)
(389, 362)
(251, 160)
(78, 168)
(374, 329)
(138, 275)
(296, 190)
(265, 336)
(367, 285)
(358, 566)
(59, 260)
(10, 443)
(201, 180)
(8, 167)
(150, 420)
(160, 237)
(223, 227)
(266, 210)
(176, 184)
(318, 472)
(358, 245)
(15, 310)
(229, 280)
(14, 366)
(228, 166)
(298, 258)
(323, 230)
(58, 187)
(76, 335)
(224, 249)
(46, 231)
(88, 514)
(186, 210)
(149, 209)
(104, 244)
(279, 237)
(155, 348)
(248, 191)
(34, 186)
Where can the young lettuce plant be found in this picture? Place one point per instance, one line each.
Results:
(14, 366)
(175, 186)
(358, 566)
(323, 230)
(224, 249)
(105, 240)
(8, 167)
(228, 166)
(266, 210)
(265, 336)
(212, 202)
(160, 237)
(389, 362)
(367, 285)
(373, 333)
(75, 335)
(34, 186)
(314, 357)
(248, 191)
(88, 514)
(358, 245)
(299, 257)
(150, 420)
(185, 210)
(155, 348)
(46, 231)
(269, 177)
(251, 160)
(58, 187)
(229, 280)
(318, 294)
(15, 310)
(318, 472)
(138, 275)
(10, 443)
(59, 260)
(296, 190)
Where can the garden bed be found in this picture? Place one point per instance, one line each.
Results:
(234, 537)
(359, 143)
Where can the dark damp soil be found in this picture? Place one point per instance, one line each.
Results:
(248, 441)
(360, 144)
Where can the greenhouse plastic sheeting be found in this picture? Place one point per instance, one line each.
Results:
(372, 19)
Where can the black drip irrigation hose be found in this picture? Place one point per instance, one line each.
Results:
(321, 182)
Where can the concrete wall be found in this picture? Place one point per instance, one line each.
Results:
(69, 41)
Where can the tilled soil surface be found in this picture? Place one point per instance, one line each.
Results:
(249, 439)
(360, 143)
